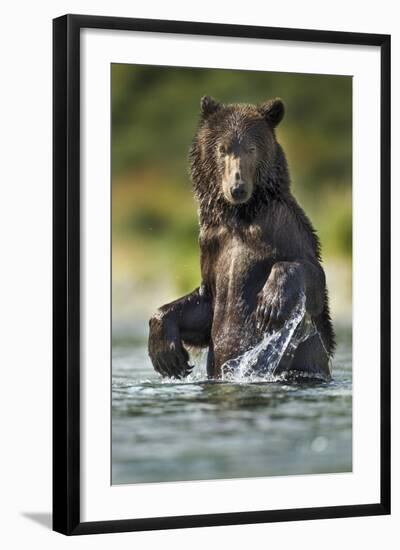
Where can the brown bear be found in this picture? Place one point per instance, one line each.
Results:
(258, 251)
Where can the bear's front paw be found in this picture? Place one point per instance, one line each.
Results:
(166, 351)
(171, 361)
(277, 299)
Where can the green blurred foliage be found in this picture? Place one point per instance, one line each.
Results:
(154, 116)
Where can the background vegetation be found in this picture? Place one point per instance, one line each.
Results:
(154, 216)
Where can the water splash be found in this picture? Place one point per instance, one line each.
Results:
(275, 351)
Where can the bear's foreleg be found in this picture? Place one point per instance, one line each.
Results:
(283, 289)
(187, 320)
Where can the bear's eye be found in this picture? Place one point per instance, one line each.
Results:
(222, 150)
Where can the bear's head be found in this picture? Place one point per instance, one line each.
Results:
(234, 149)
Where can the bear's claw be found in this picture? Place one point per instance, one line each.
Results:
(171, 360)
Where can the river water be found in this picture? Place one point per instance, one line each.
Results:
(168, 430)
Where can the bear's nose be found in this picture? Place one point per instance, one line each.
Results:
(238, 191)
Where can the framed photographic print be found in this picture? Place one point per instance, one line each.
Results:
(221, 274)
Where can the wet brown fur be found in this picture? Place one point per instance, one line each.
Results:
(248, 252)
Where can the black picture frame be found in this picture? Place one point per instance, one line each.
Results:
(66, 273)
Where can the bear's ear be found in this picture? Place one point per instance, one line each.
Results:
(273, 111)
(209, 106)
